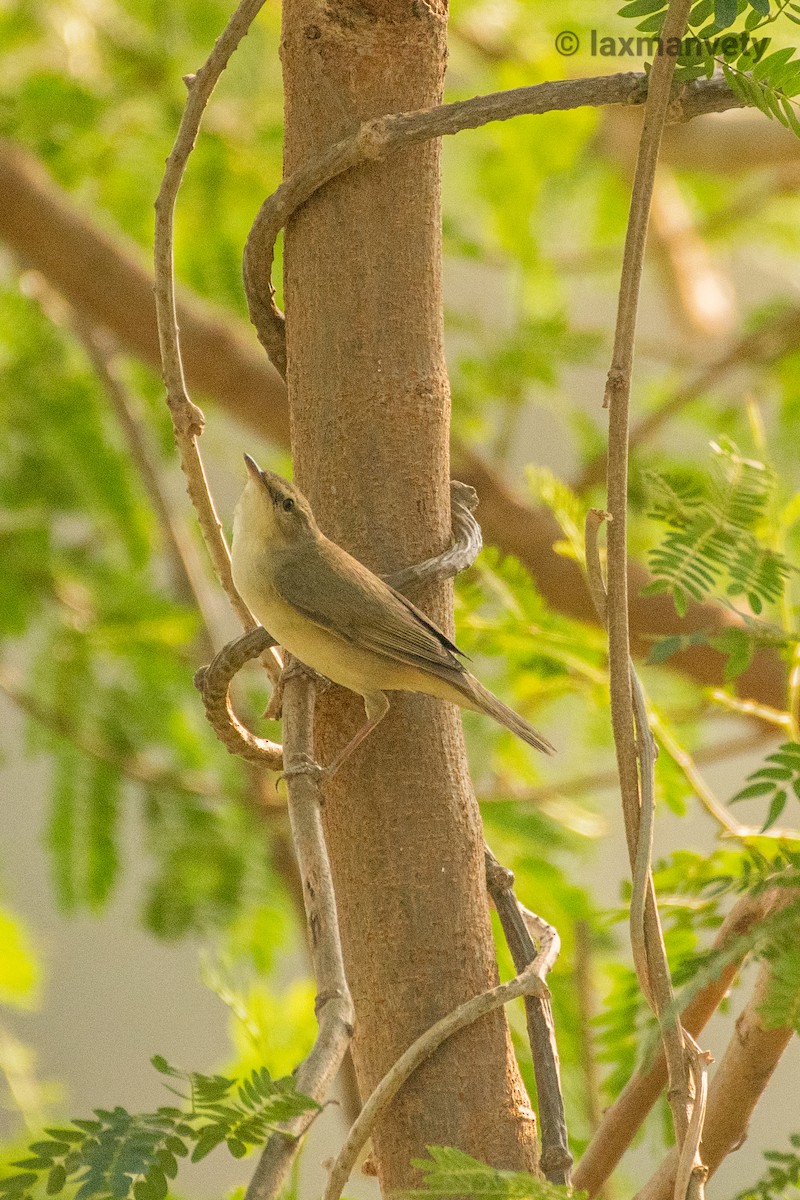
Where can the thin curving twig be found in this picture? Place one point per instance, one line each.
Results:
(187, 418)
(528, 982)
(213, 683)
(520, 927)
(467, 543)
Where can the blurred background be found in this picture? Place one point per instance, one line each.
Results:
(148, 902)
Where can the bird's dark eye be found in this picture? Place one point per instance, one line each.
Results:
(288, 504)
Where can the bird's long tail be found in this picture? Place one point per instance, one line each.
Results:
(482, 700)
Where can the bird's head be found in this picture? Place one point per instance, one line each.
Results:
(272, 509)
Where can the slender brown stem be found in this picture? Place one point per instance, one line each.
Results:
(555, 1161)
(187, 418)
(334, 1007)
(624, 689)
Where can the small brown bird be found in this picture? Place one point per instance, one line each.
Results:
(333, 614)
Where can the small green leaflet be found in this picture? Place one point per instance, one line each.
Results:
(779, 775)
(451, 1172)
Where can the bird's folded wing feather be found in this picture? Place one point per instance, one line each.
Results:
(361, 609)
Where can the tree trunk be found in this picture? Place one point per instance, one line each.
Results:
(370, 421)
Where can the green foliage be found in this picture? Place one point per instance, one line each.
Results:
(714, 524)
(737, 643)
(782, 1173)
(450, 1172)
(773, 782)
(110, 649)
(506, 367)
(134, 1156)
(768, 82)
(771, 86)
(694, 892)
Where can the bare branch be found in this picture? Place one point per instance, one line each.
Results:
(519, 928)
(647, 942)
(334, 1007)
(187, 418)
(628, 716)
(213, 683)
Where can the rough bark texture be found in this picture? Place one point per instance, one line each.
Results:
(370, 413)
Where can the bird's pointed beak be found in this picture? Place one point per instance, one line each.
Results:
(253, 468)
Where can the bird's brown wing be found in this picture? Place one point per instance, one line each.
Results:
(343, 596)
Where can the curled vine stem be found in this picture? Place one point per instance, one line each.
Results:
(382, 136)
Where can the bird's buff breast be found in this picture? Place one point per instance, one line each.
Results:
(341, 661)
